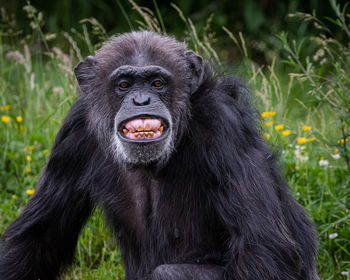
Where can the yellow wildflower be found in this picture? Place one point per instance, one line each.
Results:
(336, 150)
(268, 114)
(301, 140)
(30, 192)
(5, 119)
(28, 158)
(310, 139)
(268, 123)
(14, 197)
(5, 107)
(341, 141)
(28, 169)
(306, 127)
(19, 119)
(29, 148)
(267, 136)
(286, 132)
(279, 126)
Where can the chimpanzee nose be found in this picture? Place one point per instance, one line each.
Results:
(142, 100)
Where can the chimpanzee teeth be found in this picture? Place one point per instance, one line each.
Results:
(143, 133)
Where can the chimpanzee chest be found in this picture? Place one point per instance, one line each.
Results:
(176, 224)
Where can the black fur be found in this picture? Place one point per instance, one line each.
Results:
(217, 208)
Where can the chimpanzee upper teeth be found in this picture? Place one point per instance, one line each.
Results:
(143, 129)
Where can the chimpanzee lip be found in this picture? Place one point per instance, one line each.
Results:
(143, 135)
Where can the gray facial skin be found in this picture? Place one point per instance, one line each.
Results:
(142, 99)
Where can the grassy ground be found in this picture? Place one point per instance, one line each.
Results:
(301, 117)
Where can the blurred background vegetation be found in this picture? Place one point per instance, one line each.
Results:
(294, 55)
(258, 20)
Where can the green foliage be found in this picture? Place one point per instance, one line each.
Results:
(327, 72)
(305, 114)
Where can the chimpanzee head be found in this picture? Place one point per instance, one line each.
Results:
(137, 88)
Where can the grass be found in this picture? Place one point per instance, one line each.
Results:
(305, 115)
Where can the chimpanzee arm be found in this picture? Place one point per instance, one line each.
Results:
(247, 201)
(42, 240)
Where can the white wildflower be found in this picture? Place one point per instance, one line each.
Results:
(323, 162)
(304, 158)
(297, 153)
(333, 235)
(336, 156)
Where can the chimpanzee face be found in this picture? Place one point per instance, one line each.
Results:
(143, 128)
(138, 93)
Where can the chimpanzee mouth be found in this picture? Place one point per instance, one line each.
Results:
(143, 129)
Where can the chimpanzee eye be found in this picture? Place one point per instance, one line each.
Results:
(124, 85)
(157, 83)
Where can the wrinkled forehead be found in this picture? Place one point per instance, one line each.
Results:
(139, 71)
(142, 52)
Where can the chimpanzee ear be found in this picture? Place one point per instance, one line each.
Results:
(85, 72)
(197, 66)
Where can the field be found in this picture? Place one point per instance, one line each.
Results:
(304, 102)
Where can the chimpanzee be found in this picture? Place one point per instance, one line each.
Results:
(171, 151)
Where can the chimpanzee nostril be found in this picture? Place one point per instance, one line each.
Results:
(142, 100)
